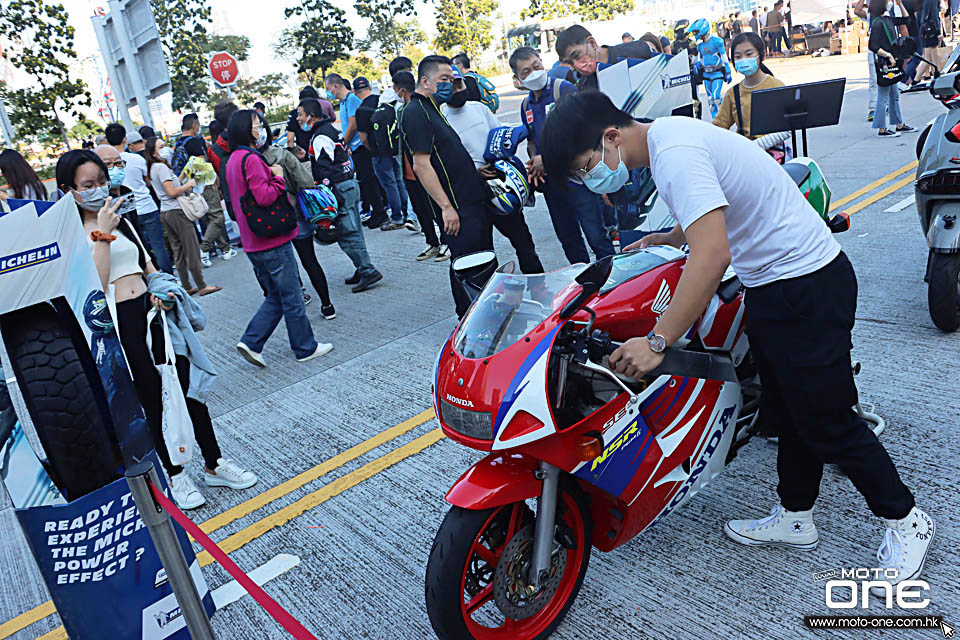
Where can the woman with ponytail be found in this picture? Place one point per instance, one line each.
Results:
(747, 53)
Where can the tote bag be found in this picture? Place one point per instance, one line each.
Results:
(177, 426)
(193, 206)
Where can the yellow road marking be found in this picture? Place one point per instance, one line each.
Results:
(247, 507)
(304, 504)
(878, 195)
(870, 187)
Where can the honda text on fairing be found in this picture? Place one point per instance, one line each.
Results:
(601, 456)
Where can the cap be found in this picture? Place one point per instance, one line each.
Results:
(456, 73)
(134, 137)
(626, 34)
(360, 83)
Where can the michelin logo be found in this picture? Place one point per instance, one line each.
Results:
(670, 82)
(29, 258)
(166, 617)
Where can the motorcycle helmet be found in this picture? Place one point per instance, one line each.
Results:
(510, 188)
(680, 29)
(503, 142)
(320, 206)
(700, 28)
(96, 314)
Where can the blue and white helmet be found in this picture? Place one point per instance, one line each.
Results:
(503, 142)
(510, 188)
(320, 206)
(700, 27)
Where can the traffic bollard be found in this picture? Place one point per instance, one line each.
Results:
(140, 477)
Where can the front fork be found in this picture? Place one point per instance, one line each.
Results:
(545, 529)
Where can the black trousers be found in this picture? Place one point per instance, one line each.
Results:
(132, 320)
(476, 234)
(371, 193)
(427, 212)
(308, 258)
(800, 335)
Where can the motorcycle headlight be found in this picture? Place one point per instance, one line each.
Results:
(474, 424)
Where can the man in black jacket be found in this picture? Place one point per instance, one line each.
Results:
(333, 167)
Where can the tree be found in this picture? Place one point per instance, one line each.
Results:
(586, 9)
(269, 86)
(463, 25)
(354, 67)
(320, 40)
(182, 25)
(237, 46)
(42, 46)
(85, 129)
(384, 16)
(389, 41)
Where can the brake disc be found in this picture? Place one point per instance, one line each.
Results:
(511, 592)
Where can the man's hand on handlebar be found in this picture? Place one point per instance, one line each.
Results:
(634, 358)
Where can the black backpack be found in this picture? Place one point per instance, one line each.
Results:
(386, 132)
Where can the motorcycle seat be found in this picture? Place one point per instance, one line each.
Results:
(799, 172)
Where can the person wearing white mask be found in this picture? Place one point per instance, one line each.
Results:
(572, 207)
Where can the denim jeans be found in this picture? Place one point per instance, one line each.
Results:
(571, 210)
(277, 272)
(152, 229)
(349, 230)
(888, 98)
(388, 172)
(871, 63)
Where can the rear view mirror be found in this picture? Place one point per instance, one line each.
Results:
(473, 260)
(471, 271)
(591, 280)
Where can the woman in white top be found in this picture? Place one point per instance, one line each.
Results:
(121, 261)
(22, 181)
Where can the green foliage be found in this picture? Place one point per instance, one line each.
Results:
(322, 38)
(585, 9)
(352, 67)
(85, 129)
(237, 46)
(42, 48)
(389, 40)
(182, 25)
(463, 25)
(263, 88)
(386, 32)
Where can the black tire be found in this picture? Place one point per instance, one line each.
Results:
(448, 556)
(922, 140)
(943, 294)
(81, 453)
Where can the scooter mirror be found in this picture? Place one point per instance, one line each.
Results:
(474, 260)
(592, 279)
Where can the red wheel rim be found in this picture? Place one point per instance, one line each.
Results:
(538, 623)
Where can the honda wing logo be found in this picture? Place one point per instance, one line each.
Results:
(662, 301)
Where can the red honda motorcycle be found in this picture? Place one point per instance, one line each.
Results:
(601, 456)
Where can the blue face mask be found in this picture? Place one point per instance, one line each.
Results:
(747, 66)
(444, 92)
(330, 96)
(603, 179)
(306, 126)
(261, 137)
(117, 174)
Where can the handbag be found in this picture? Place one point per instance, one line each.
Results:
(193, 206)
(887, 75)
(275, 219)
(177, 425)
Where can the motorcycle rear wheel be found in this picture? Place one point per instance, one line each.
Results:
(469, 543)
(943, 294)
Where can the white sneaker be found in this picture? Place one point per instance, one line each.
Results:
(229, 474)
(322, 349)
(904, 547)
(443, 253)
(794, 529)
(252, 356)
(184, 492)
(230, 254)
(205, 259)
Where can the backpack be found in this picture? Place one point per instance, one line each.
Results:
(386, 131)
(528, 119)
(488, 91)
(179, 158)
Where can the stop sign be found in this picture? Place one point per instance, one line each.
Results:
(223, 69)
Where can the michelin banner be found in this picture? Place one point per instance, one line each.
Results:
(647, 88)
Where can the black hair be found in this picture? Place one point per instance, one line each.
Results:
(404, 80)
(195, 146)
(189, 121)
(753, 39)
(520, 54)
(146, 132)
(876, 8)
(115, 133)
(462, 59)
(334, 78)
(429, 64)
(399, 64)
(19, 174)
(311, 107)
(266, 127)
(224, 111)
(238, 129)
(308, 92)
(259, 105)
(150, 151)
(571, 37)
(72, 160)
(575, 125)
(215, 129)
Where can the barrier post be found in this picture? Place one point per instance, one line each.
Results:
(140, 477)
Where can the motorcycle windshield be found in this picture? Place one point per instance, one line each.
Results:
(511, 306)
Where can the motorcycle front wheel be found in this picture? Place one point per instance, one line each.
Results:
(943, 294)
(462, 571)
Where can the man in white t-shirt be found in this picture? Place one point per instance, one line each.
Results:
(135, 177)
(734, 203)
(472, 120)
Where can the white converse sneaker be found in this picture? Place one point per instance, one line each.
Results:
(794, 529)
(184, 492)
(205, 259)
(323, 348)
(904, 547)
(252, 356)
(229, 254)
(229, 474)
